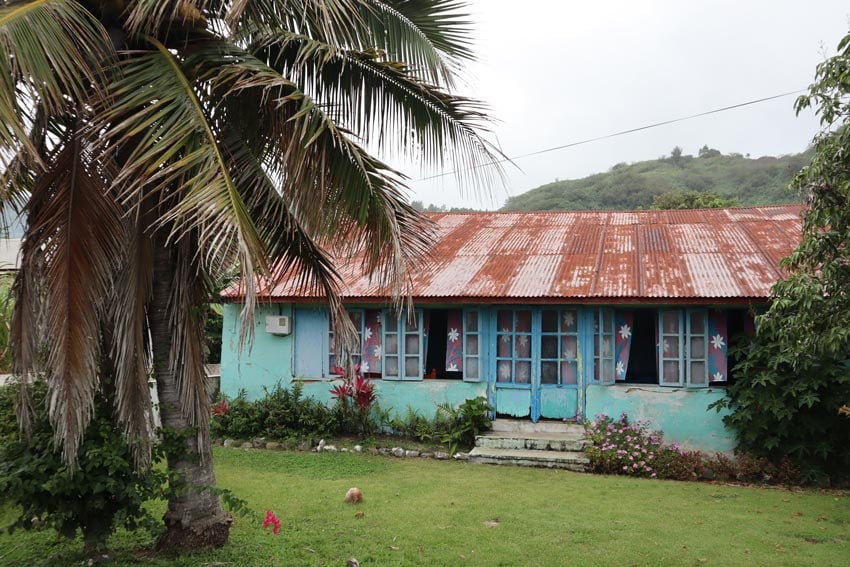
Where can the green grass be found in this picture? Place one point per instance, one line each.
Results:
(423, 512)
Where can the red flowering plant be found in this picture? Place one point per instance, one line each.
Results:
(220, 408)
(355, 397)
(271, 520)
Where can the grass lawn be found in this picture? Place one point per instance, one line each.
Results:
(425, 512)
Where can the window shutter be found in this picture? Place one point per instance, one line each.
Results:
(311, 342)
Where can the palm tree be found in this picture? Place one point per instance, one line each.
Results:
(155, 145)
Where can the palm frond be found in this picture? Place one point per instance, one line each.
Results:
(159, 17)
(75, 235)
(177, 157)
(337, 21)
(52, 53)
(383, 102)
(130, 346)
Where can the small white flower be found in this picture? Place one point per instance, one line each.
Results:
(621, 370)
(367, 334)
(452, 368)
(625, 332)
(506, 338)
(453, 335)
(717, 341)
(717, 377)
(364, 366)
(569, 319)
(377, 351)
(523, 341)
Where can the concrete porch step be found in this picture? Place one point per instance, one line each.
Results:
(523, 426)
(568, 460)
(564, 441)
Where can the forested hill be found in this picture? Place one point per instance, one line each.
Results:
(747, 181)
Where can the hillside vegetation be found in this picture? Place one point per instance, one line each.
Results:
(760, 181)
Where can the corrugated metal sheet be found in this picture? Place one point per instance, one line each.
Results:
(616, 256)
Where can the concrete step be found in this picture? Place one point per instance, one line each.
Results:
(569, 460)
(565, 441)
(503, 425)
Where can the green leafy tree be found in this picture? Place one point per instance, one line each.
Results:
(691, 200)
(153, 145)
(796, 374)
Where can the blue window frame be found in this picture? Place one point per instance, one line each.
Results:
(683, 348)
(357, 318)
(559, 346)
(604, 369)
(513, 346)
(402, 346)
(472, 346)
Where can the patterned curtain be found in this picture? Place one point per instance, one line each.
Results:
(454, 341)
(624, 323)
(717, 337)
(371, 359)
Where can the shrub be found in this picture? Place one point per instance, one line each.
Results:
(622, 447)
(465, 422)
(105, 491)
(282, 413)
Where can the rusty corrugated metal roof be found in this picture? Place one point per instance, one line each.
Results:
(618, 256)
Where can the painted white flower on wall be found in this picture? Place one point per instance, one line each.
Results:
(523, 341)
(625, 332)
(367, 334)
(453, 335)
(717, 377)
(569, 319)
(452, 368)
(717, 341)
(621, 370)
(364, 366)
(506, 338)
(377, 351)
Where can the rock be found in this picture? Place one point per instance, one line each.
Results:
(320, 446)
(330, 449)
(219, 441)
(247, 445)
(304, 446)
(343, 450)
(441, 456)
(357, 448)
(274, 446)
(259, 442)
(411, 453)
(383, 451)
(352, 563)
(229, 442)
(374, 450)
(426, 455)
(354, 495)
(397, 452)
(461, 456)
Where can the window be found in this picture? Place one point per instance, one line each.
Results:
(683, 351)
(513, 349)
(335, 363)
(559, 346)
(471, 346)
(402, 346)
(603, 346)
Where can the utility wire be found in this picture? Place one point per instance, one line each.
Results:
(620, 133)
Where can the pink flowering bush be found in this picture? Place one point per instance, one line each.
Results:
(622, 447)
(271, 520)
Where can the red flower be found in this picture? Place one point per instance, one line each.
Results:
(364, 393)
(342, 391)
(220, 409)
(271, 520)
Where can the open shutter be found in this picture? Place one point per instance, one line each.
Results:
(603, 357)
(472, 345)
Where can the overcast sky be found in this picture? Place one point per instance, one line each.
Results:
(555, 72)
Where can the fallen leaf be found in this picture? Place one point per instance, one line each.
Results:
(359, 515)
(703, 560)
(462, 556)
(394, 548)
(797, 514)
(310, 549)
(492, 523)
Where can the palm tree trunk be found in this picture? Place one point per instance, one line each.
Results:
(195, 518)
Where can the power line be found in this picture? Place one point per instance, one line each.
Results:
(622, 133)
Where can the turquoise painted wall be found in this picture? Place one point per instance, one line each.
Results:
(680, 413)
(270, 361)
(264, 363)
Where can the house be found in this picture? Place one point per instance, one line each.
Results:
(549, 315)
